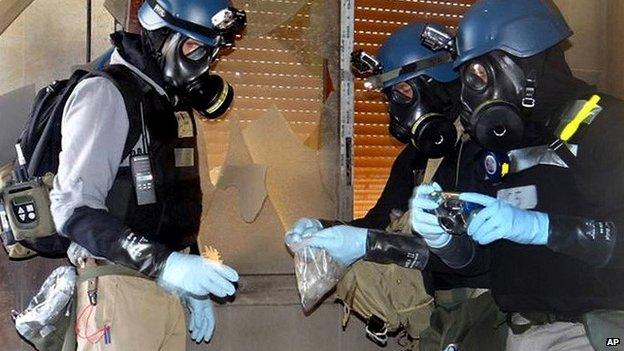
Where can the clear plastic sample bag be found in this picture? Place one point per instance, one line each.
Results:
(316, 271)
(46, 318)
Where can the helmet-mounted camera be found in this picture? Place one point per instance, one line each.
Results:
(365, 64)
(229, 22)
(437, 37)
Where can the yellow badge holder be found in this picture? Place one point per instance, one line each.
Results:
(582, 116)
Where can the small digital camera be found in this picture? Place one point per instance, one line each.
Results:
(453, 214)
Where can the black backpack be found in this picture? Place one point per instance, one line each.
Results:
(40, 140)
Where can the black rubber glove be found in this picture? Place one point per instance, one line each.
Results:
(106, 236)
(403, 250)
(587, 240)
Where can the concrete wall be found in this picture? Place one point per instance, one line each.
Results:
(596, 51)
(42, 45)
(14, 109)
(587, 53)
(47, 39)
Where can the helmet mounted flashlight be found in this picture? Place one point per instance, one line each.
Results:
(365, 64)
(368, 67)
(230, 22)
(229, 19)
(437, 37)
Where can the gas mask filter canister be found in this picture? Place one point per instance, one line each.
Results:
(186, 67)
(493, 88)
(497, 125)
(415, 118)
(210, 95)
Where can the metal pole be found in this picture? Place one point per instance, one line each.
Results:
(88, 39)
(345, 190)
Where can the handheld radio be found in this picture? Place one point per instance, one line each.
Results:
(141, 167)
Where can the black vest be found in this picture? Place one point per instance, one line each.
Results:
(174, 219)
(530, 278)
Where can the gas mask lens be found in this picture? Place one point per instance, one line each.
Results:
(476, 76)
(402, 93)
(194, 50)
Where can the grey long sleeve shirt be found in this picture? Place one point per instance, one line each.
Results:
(94, 130)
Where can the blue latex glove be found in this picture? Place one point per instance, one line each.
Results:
(344, 243)
(500, 220)
(202, 319)
(424, 223)
(197, 276)
(303, 227)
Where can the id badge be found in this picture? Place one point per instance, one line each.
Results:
(524, 197)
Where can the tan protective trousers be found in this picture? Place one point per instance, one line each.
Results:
(131, 314)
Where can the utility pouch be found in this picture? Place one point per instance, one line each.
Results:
(387, 297)
(26, 219)
(27, 209)
(48, 318)
(14, 249)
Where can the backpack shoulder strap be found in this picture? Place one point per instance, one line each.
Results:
(133, 89)
(432, 167)
(49, 102)
(434, 164)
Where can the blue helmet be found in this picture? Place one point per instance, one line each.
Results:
(207, 21)
(522, 28)
(403, 47)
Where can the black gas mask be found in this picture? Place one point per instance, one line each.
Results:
(496, 97)
(186, 70)
(419, 114)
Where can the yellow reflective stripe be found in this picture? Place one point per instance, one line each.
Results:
(220, 100)
(505, 169)
(572, 127)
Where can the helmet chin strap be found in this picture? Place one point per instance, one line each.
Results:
(155, 39)
(168, 44)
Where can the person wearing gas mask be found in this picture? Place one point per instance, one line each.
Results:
(134, 219)
(423, 105)
(422, 91)
(543, 167)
